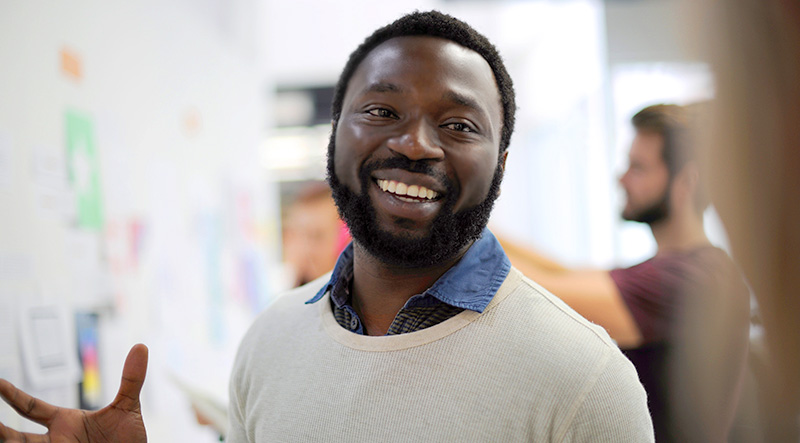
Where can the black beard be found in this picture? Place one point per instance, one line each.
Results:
(655, 213)
(450, 232)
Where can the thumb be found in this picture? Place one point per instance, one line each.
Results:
(133, 374)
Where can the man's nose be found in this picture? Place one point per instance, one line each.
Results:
(417, 141)
(623, 178)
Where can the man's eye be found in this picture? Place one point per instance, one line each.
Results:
(461, 127)
(381, 112)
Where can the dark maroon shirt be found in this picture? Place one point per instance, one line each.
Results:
(655, 292)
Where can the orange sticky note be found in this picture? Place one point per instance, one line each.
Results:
(71, 64)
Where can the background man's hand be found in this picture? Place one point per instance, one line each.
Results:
(119, 422)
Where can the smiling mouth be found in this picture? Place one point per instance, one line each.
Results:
(408, 193)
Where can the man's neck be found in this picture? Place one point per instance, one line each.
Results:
(679, 232)
(379, 291)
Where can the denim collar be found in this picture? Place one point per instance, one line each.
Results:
(470, 284)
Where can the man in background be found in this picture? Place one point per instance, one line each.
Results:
(648, 308)
(313, 233)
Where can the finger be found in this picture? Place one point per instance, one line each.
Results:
(27, 406)
(8, 435)
(133, 374)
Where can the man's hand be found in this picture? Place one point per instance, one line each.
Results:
(119, 422)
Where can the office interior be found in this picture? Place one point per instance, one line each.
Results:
(149, 150)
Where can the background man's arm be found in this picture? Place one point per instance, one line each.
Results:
(592, 293)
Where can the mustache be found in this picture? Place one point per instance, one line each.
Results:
(419, 167)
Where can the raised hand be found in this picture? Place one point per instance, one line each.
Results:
(119, 422)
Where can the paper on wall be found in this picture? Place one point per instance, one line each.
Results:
(54, 199)
(84, 170)
(48, 346)
(89, 274)
(115, 164)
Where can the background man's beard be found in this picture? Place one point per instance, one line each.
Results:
(655, 213)
(449, 233)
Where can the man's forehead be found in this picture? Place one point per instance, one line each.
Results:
(382, 69)
(647, 144)
(648, 138)
(433, 49)
(411, 41)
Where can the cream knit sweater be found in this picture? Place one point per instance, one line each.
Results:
(527, 369)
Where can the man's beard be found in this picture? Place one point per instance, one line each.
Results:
(449, 233)
(653, 214)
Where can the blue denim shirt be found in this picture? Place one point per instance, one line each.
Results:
(470, 284)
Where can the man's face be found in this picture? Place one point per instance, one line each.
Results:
(310, 235)
(414, 160)
(647, 181)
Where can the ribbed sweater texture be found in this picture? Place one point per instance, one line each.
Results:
(526, 369)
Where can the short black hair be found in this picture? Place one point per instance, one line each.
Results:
(435, 24)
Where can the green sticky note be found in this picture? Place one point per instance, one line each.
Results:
(84, 170)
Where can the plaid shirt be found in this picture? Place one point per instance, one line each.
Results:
(470, 284)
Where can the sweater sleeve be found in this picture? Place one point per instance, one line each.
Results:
(614, 409)
(236, 430)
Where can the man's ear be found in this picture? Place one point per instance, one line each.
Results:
(692, 172)
(502, 163)
(688, 179)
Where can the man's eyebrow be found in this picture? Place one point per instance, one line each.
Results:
(383, 87)
(463, 100)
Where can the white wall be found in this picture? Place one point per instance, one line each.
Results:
(177, 101)
(558, 181)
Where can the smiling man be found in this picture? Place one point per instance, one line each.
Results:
(424, 331)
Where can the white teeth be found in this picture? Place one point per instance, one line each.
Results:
(402, 189)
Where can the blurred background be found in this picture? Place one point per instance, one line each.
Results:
(151, 154)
